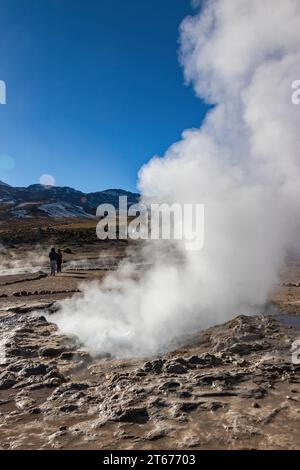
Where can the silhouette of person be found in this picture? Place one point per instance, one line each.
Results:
(59, 261)
(53, 261)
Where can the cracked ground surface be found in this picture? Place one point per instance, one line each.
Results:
(232, 387)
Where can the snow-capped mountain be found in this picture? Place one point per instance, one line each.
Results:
(55, 202)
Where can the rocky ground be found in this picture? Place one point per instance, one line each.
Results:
(233, 386)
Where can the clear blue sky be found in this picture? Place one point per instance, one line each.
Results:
(94, 89)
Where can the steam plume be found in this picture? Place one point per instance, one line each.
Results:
(30, 262)
(243, 164)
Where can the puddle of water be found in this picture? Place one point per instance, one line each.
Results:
(288, 319)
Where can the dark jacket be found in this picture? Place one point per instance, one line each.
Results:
(53, 255)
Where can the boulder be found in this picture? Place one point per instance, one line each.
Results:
(68, 408)
(176, 368)
(154, 367)
(38, 369)
(7, 380)
(134, 415)
(51, 351)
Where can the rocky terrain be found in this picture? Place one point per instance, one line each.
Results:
(232, 387)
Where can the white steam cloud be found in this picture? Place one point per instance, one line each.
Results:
(12, 263)
(243, 164)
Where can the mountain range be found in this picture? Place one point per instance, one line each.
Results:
(41, 201)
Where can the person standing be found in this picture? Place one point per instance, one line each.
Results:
(59, 261)
(53, 261)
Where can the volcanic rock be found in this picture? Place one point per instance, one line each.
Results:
(134, 415)
(7, 380)
(51, 352)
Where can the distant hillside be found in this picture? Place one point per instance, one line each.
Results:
(55, 202)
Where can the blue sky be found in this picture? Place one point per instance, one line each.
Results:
(94, 89)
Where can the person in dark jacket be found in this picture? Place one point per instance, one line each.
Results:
(59, 261)
(53, 261)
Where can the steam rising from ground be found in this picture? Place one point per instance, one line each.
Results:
(30, 261)
(243, 164)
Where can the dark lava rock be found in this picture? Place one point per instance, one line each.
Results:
(169, 386)
(68, 389)
(35, 411)
(187, 407)
(21, 352)
(55, 374)
(25, 330)
(205, 360)
(51, 352)
(39, 369)
(140, 373)
(17, 366)
(154, 366)
(7, 380)
(209, 379)
(77, 386)
(68, 408)
(176, 368)
(185, 394)
(255, 405)
(42, 319)
(54, 382)
(68, 355)
(246, 348)
(134, 415)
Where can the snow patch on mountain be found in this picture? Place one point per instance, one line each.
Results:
(20, 214)
(63, 209)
